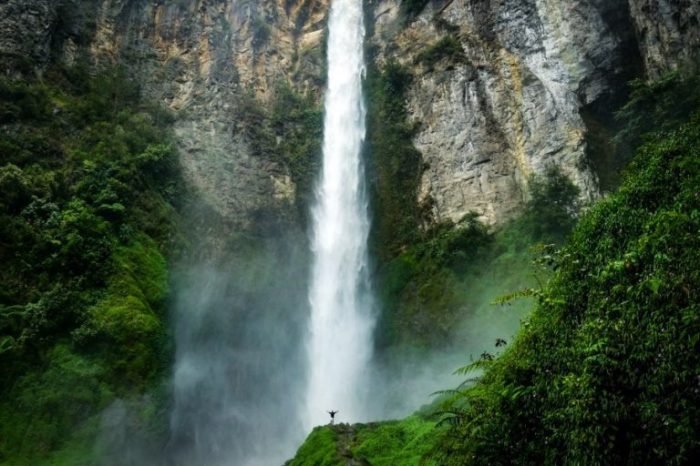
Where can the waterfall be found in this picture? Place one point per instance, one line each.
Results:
(341, 323)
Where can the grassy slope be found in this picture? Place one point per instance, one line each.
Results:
(392, 443)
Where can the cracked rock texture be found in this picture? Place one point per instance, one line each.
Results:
(201, 58)
(509, 107)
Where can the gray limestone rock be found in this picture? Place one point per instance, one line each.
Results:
(512, 107)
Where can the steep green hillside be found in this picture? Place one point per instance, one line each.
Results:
(87, 180)
(606, 369)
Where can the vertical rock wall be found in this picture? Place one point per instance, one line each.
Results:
(205, 59)
(668, 32)
(512, 104)
(509, 106)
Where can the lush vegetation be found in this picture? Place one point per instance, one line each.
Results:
(453, 273)
(651, 107)
(605, 370)
(394, 165)
(87, 184)
(392, 443)
(654, 107)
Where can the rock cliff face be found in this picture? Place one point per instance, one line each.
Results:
(504, 105)
(509, 101)
(668, 32)
(203, 59)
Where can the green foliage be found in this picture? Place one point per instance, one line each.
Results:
(87, 182)
(605, 370)
(319, 449)
(656, 106)
(448, 49)
(395, 443)
(21, 101)
(47, 404)
(126, 326)
(455, 271)
(551, 211)
(394, 164)
(419, 288)
(392, 443)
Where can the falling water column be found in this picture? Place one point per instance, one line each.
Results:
(341, 323)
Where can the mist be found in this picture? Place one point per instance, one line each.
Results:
(239, 370)
(407, 378)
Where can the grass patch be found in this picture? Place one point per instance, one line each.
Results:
(391, 443)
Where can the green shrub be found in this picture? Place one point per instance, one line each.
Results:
(656, 106)
(84, 222)
(44, 405)
(604, 372)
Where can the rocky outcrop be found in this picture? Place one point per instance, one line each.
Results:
(509, 106)
(668, 32)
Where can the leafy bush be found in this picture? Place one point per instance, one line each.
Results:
(656, 106)
(551, 210)
(85, 218)
(605, 370)
(47, 404)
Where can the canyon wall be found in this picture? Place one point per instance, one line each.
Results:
(207, 60)
(510, 104)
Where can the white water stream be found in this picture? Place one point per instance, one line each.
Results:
(342, 321)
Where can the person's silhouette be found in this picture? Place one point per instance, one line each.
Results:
(332, 413)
